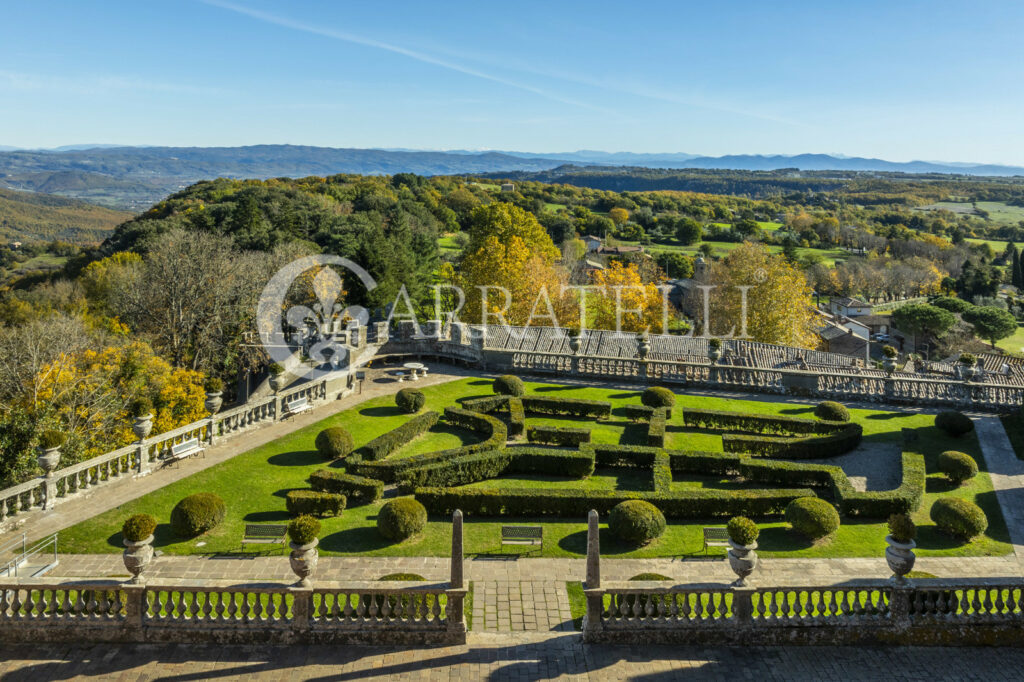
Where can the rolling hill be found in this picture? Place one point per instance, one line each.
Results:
(27, 216)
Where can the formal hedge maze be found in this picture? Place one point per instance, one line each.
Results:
(760, 461)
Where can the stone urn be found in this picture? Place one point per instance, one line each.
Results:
(714, 355)
(967, 372)
(48, 459)
(276, 382)
(137, 556)
(742, 561)
(575, 343)
(643, 347)
(143, 426)
(889, 365)
(303, 560)
(900, 557)
(213, 402)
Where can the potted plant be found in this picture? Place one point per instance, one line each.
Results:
(900, 552)
(742, 542)
(302, 532)
(137, 535)
(967, 363)
(890, 354)
(50, 443)
(142, 411)
(214, 388)
(574, 339)
(714, 349)
(276, 369)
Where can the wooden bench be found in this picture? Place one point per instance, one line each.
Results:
(715, 537)
(264, 534)
(294, 407)
(523, 535)
(185, 448)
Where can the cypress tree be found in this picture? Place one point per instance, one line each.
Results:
(1015, 271)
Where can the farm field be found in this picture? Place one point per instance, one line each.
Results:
(254, 483)
(998, 211)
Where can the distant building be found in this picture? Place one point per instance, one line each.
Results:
(15, 245)
(849, 307)
(593, 243)
(686, 293)
(846, 336)
(508, 187)
(618, 250)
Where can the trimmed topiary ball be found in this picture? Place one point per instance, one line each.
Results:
(410, 400)
(742, 530)
(509, 385)
(197, 514)
(812, 517)
(402, 518)
(213, 385)
(958, 466)
(832, 411)
(658, 396)
(138, 527)
(334, 443)
(636, 521)
(959, 518)
(303, 530)
(902, 528)
(954, 423)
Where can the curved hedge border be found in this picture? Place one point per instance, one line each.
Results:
(357, 489)
(383, 445)
(516, 417)
(481, 466)
(808, 447)
(721, 420)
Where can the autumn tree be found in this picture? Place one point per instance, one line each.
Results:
(778, 299)
(624, 301)
(618, 215)
(511, 269)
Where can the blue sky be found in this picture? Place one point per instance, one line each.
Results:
(896, 80)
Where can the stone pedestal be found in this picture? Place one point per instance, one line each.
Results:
(593, 551)
(457, 553)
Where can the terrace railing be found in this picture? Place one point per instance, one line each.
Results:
(921, 612)
(42, 610)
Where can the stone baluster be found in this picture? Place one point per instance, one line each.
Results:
(593, 551)
(457, 553)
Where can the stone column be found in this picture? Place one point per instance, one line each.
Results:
(135, 607)
(302, 607)
(457, 559)
(593, 551)
(143, 454)
(899, 605)
(742, 604)
(51, 492)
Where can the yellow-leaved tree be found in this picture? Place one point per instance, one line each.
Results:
(89, 392)
(778, 301)
(624, 302)
(509, 250)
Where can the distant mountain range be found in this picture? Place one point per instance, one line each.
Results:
(136, 177)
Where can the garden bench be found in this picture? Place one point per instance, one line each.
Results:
(522, 535)
(264, 534)
(294, 407)
(715, 537)
(185, 448)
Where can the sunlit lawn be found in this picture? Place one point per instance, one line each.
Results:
(254, 484)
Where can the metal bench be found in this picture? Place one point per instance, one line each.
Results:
(523, 535)
(185, 448)
(264, 534)
(715, 537)
(294, 407)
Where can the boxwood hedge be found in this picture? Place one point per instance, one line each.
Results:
(558, 435)
(383, 445)
(314, 503)
(357, 489)
(566, 406)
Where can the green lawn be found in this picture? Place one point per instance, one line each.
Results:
(829, 256)
(1014, 343)
(998, 211)
(254, 484)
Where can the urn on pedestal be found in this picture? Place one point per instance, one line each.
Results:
(743, 535)
(900, 552)
(50, 443)
(137, 534)
(302, 532)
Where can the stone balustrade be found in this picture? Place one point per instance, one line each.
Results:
(54, 610)
(984, 611)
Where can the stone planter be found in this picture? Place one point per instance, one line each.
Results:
(137, 556)
(143, 426)
(644, 347)
(889, 365)
(48, 459)
(213, 402)
(714, 355)
(575, 343)
(900, 557)
(303, 560)
(967, 372)
(276, 382)
(742, 561)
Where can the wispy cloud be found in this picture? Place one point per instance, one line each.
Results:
(94, 84)
(355, 39)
